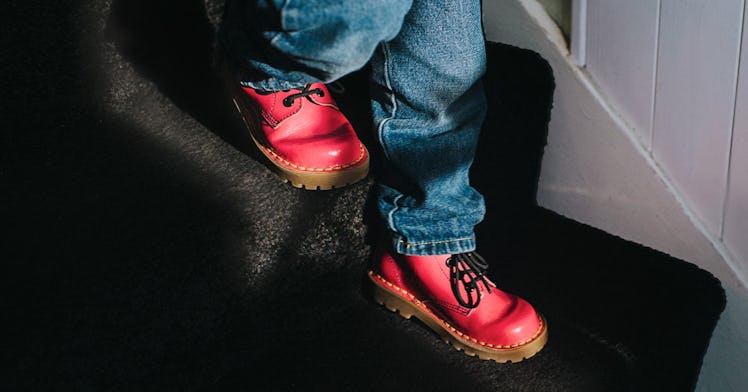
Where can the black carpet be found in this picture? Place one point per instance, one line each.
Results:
(147, 248)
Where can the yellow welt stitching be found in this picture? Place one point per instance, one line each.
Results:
(314, 169)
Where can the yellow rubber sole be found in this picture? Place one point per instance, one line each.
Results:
(400, 301)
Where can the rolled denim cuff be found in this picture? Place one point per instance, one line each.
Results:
(442, 247)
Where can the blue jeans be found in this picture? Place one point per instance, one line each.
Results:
(427, 59)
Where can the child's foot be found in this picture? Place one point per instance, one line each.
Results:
(303, 134)
(450, 294)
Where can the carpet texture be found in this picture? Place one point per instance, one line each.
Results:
(148, 248)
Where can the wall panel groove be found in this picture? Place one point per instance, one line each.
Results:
(695, 94)
(735, 224)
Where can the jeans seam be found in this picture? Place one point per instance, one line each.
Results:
(380, 128)
(388, 84)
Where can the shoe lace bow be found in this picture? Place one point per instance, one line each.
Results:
(307, 91)
(466, 270)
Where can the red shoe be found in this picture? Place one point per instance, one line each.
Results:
(303, 134)
(450, 294)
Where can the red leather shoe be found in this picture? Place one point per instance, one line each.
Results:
(451, 295)
(303, 134)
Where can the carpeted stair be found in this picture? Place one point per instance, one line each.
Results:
(147, 248)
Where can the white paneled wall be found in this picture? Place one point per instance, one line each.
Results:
(694, 99)
(671, 68)
(735, 232)
(621, 56)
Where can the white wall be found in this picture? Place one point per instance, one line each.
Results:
(649, 141)
(735, 226)
(694, 100)
(670, 69)
(621, 47)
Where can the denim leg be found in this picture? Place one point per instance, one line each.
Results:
(289, 43)
(428, 104)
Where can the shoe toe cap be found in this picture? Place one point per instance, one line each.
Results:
(520, 324)
(336, 147)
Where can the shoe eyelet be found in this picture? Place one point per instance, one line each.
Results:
(287, 103)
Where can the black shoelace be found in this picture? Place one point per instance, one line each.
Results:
(303, 92)
(465, 271)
